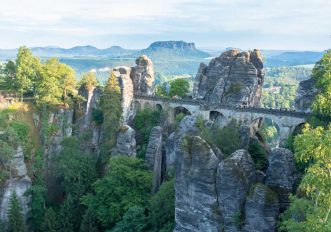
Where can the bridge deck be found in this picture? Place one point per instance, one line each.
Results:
(208, 106)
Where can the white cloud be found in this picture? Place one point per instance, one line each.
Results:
(129, 17)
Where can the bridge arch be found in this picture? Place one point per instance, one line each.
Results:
(215, 115)
(158, 107)
(181, 110)
(137, 105)
(147, 105)
(268, 130)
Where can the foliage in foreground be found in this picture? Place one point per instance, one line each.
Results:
(126, 184)
(310, 210)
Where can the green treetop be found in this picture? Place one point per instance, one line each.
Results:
(27, 70)
(322, 75)
(89, 81)
(179, 87)
(57, 82)
(111, 108)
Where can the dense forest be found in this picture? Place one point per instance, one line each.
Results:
(107, 192)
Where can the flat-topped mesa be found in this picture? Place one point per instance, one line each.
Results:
(175, 45)
(234, 78)
(142, 76)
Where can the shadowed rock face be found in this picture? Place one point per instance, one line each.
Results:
(235, 175)
(196, 196)
(305, 95)
(232, 78)
(142, 75)
(154, 156)
(126, 142)
(127, 91)
(19, 182)
(261, 209)
(281, 174)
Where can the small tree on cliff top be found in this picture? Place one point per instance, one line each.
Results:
(88, 81)
(112, 110)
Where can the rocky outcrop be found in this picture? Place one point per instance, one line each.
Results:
(127, 91)
(142, 76)
(19, 183)
(91, 97)
(196, 195)
(154, 156)
(235, 176)
(234, 78)
(261, 210)
(63, 122)
(281, 174)
(187, 126)
(126, 142)
(306, 93)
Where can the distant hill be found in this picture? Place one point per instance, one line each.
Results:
(78, 51)
(170, 50)
(292, 58)
(169, 57)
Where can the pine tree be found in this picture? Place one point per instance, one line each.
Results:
(112, 110)
(50, 221)
(15, 216)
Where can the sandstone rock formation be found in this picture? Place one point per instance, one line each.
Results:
(126, 142)
(135, 80)
(19, 182)
(63, 121)
(142, 76)
(91, 96)
(196, 195)
(234, 78)
(261, 210)
(306, 93)
(235, 176)
(281, 174)
(127, 91)
(154, 156)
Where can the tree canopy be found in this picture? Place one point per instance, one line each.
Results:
(310, 211)
(322, 75)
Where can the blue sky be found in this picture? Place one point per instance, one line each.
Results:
(269, 24)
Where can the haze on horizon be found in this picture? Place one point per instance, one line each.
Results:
(282, 24)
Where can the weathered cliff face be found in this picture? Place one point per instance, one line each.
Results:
(154, 156)
(135, 80)
(232, 78)
(63, 122)
(235, 176)
(19, 182)
(305, 96)
(281, 174)
(126, 142)
(91, 98)
(127, 91)
(142, 76)
(196, 195)
(261, 210)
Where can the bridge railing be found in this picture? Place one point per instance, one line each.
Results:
(211, 106)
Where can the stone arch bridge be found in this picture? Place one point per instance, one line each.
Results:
(286, 121)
